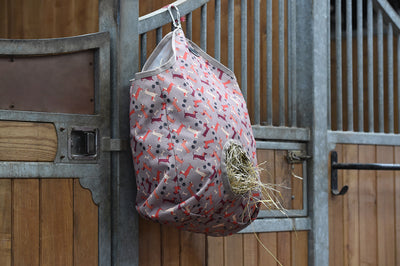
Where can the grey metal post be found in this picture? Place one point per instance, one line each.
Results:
(120, 18)
(312, 82)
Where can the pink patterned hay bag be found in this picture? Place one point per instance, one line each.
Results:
(189, 128)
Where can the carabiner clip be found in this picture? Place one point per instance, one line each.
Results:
(175, 21)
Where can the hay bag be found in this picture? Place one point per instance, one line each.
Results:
(193, 148)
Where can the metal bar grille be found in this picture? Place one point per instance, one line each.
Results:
(243, 44)
(372, 108)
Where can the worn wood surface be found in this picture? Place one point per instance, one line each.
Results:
(85, 237)
(27, 141)
(47, 222)
(26, 221)
(364, 222)
(5, 222)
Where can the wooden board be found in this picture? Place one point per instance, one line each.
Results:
(56, 222)
(367, 205)
(364, 222)
(27, 141)
(26, 222)
(25, 19)
(150, 243)
(85, 237)
(5, 222)
(385, 209)
(351, 218)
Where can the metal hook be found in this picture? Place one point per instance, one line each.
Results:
(334, 178)
(175, 21)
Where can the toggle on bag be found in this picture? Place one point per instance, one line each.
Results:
(193, 148)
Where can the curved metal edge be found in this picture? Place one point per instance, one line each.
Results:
(389, 13)
(101, 195)
(161, 16)
(53, 46)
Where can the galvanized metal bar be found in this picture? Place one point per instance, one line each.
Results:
(243, 47)
(398, 83)
(256, 48)
(282, 133)
(53, 46)
(380, 73)
(203, 30)
(390, 87)
(367, 138)
(143, 49)
(189, 26)
(360, 67)
(231, 30)
(217, 30)
(370, 58)
(269, 63)
(121, 20)
(349, 65)
(339, 64)
(292, 63)
(312, 81)
(282, 77)
(159, 34)
(280, 145)
(329, 88)
(161, 16)
(278, 225)
(390, 14)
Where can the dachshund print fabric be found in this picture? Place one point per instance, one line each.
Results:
(186, 109)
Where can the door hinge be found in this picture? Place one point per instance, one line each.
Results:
(297, 156)
(109, 144)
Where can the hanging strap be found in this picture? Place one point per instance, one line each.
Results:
(175, 21)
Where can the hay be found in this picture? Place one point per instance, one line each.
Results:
(244, 179)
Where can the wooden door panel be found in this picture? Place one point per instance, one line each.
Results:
(363, 223)
(47, 222)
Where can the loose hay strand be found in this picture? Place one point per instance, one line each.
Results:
(244, 178)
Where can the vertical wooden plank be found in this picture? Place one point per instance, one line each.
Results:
(85, 227)
(367, 208)
(170, 245)
(25, 222)
(4, 19)
(297, 186)
(299, 248)
(336, 229)
(5, 222)
(250, 250)
(64, 19)
(215, 251)
(267, 257)
(193, 249)
(284, 248)
(233, 250)
(56, 222)
(266, 160)
(385, 207)
(283, 178)
(150, 243)
(32, 17)
(85, 17)
(48, 19)
(351, 216)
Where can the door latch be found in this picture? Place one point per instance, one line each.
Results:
(297, 156)
(83, 143)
